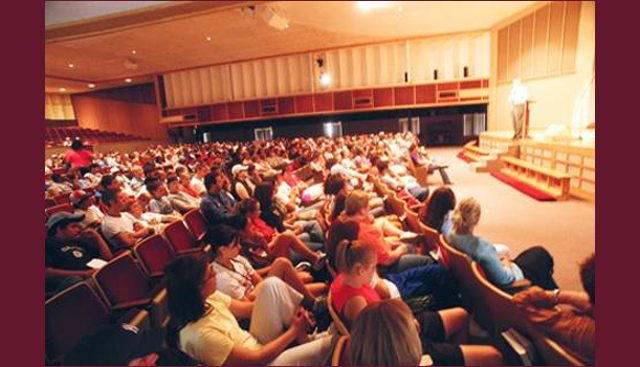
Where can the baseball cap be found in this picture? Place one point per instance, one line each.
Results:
(238, 168)
(114, 345)
(63, 219)
(78, 196)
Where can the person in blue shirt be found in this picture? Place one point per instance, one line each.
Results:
(534, 264)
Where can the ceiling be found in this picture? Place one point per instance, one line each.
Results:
(173, 35)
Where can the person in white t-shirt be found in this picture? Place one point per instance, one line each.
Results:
(197, 181)
(120, 228)
(237, 277)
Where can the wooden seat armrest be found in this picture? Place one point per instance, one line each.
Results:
(519, 285)
(125, 305)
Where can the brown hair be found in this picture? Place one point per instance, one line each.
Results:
(350, 253)
(385, 334)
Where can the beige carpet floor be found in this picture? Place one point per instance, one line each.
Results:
(565, 228)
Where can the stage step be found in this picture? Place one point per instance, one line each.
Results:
(487, 163)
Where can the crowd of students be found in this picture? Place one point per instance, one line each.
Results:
(288, 222)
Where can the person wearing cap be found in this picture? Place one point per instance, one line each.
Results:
(243, 187)
(69, 250)
(124, 345)
(84, 204)
(120, 228)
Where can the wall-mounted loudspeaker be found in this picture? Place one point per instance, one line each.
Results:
(465, 71)
(406, 77)
(435, 74)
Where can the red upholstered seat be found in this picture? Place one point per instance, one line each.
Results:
(181, 238)
(154, 254)
(58, 208)
(197, 223)
(75, 312)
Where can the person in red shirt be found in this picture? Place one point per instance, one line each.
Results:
(78, 155)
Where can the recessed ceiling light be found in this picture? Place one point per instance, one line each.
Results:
(134, 52)
(71, 66)
(209, 39)
(62, 89)
(128, 80)
(91, 85)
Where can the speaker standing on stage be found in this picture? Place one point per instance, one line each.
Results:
(518, 99)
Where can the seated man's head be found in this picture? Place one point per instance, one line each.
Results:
(357, 203)
(116, 200)
(64, 225)
(109, 182)
(157, 190)
(173, 184)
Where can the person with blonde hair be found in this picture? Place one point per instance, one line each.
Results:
(534, 264)
(385, 334)
(352, 292)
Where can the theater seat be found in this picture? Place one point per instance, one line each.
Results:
(124, 285)
(57, 209)
(197, 223)
(75, 312)
(337, 320)
(181, 238)
(154, 253)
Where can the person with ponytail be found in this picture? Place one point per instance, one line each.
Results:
(352, 292)
(534, 264)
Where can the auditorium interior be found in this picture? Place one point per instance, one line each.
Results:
(327, 163)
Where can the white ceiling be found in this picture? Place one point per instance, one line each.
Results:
(400, 18)
(167, 42)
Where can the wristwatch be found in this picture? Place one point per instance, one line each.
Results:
(556, 294)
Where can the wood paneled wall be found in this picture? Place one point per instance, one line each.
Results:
(367, 66)
(125, 110)
(540, 44)
(58, 107)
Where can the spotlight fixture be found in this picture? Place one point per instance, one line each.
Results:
(128, 80)
(208, 38)
(71, 66)
(133, 52)
(62, 89)
(91, 85)
(325, 79)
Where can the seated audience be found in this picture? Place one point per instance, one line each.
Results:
(159, 203)
(121, 229)
(180, 201)
(393, 255)
(243, 186)
(534, 264)
(437, 212)
(70, 251)
(218, 206)
(238, 279)
(568, 317)
(84, 204)
(204, 321)
(351, 292)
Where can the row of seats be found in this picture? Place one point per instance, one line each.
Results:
(492, 307)
(129, 288)
(61, 136)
